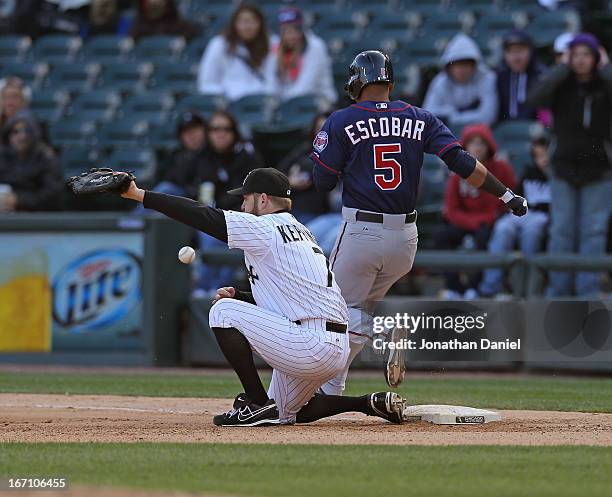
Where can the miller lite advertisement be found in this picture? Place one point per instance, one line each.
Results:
(91, 288)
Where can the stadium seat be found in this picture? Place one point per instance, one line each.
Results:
(481, 7)
(107, 48)
(424, 50)
(164, 137)
(177, 77)
(56, 48)
(251, 110)
(393, 25)
(49, 105)
(72, 132)
(14, 48)
(33, 74)
(159, 49)
(74, 77)
(448, 24)
(298, 112)
(75, 160)
(140, 160)
(547, 25)
(202, 103)
(153, 107)
(97, 105)
(194, 51)
(338, 25)
(517, 131)
(128, 78)
(125, 132)
(497, 23)
(275, 141)
(433, 183)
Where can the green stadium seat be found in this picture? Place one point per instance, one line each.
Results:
(96, 105)
(75, 160)
(547, 25)
(72, 77)
(298, 112)
(338, 25)
(481, 7)
(164, 137)
(497, 23)
(517, 130)
(49, 105)
(126, 77)
(424, 50)
(56, 48)
(107, 48)
(448, 24)
(125, 132)
(194, 51)
(140, 160)
(177, 77)
(159, 49)
(33, 74)
(72, 132)
(203, 103)
(388, 25)
(153, 107)
(14, 48)
(251, 110)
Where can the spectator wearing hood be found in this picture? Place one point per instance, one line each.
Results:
(29, 167)
(302, 63)
(579, 94)
(161, 17)
(516, 74)
(464, 92)
(530, 231)
(469, 211)
(239, 62)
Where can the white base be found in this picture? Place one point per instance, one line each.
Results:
(449, 415)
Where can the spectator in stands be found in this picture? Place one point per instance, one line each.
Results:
(469, 211)
(529, 233)
(308, 202)
(464, 92)
(7, 9)
(161, 17)
(42, 17)
(14, 97)
(103, 17)
(29, 167)
(239, 61)
(579, 93)
(301, 61)
(517, 73)
(561, 45)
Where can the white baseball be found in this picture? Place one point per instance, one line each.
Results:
(186, 255)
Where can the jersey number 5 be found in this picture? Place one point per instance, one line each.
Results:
(382, 161)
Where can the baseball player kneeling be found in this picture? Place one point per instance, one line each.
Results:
(295, 317)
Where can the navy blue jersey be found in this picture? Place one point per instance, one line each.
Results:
(377, 149)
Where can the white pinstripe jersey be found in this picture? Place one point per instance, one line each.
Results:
(287, 270)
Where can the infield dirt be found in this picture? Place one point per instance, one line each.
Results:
(108, 418)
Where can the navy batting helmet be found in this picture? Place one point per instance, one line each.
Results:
(368, 67)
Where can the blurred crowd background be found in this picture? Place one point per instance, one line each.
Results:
(191, 95)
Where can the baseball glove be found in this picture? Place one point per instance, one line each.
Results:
(100, 180)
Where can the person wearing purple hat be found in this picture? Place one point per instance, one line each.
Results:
(302, 65)
(579, 93)
(516, 74)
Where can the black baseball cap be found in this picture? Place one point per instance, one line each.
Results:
(264, 180)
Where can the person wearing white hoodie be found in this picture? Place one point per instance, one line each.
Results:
(238, 62)
(464, 92)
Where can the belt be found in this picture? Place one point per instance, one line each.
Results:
(331, 326)
(372, 217)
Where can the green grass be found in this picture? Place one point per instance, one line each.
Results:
(538, 393)
(335, 471)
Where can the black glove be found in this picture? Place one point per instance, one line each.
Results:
(100, 180)
(517, 205)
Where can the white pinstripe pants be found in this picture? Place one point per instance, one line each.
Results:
(303, 357)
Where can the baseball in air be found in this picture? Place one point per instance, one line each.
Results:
(186, 255)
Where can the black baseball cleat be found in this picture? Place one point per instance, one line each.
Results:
(396, 363)
(247, 413)
(387, 405)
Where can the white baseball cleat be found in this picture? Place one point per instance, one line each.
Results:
(396, 363)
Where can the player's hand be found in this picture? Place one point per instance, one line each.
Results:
(226, 292)
(134, 193)
(517, 205)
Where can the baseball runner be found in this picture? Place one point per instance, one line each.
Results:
(376, 146)
(295, 317)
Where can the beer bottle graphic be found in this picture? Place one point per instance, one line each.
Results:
(25, 302)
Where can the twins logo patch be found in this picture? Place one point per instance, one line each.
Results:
(320, 141)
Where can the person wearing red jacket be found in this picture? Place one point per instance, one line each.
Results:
(467, 210)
